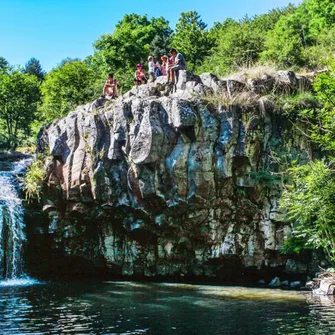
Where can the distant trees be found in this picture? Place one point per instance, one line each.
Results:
(4, 65)
(293, 40)
(34, 68)
(19, 97)
(192, 39)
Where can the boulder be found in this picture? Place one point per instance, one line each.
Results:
(275, 283)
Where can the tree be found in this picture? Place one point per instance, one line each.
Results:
(4, 65)
(34, 67)
(192, 39)
(289, 42)
(19, 97)
(160, 46)
(309, 198)
(241, 43)
(66, 87)
(129, 44)
(309, 202)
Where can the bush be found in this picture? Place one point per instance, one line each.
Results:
(34, 179)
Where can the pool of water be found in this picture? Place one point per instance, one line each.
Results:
(141, 308)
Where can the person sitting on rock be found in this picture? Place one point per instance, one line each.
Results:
(110, 87)
(165, 65)
(179, 64)
(140, 76)
(169, 65)
(158, 68)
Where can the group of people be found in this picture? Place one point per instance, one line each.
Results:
(168, 66)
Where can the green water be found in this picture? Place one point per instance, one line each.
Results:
(140, 308)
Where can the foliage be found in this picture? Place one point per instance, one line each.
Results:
(309, 202)
(289, 42)
(4, 65)
(309, 198)
(66, 87)
(192, 39)
(160, 46)
(241, 43)
(19, 97)
(34, 179)
(129, 44)
(33, 67)
(321, 120)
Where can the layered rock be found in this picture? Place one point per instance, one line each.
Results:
(181, 180)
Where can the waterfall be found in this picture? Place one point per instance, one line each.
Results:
(12, 235)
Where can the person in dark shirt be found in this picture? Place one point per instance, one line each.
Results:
(179, 64)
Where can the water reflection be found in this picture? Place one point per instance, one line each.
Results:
(136, 308)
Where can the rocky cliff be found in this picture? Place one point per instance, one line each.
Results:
(173, 181)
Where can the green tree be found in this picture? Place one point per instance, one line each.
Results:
(309, 198)
(309, 201)
(33, 67)
(128, 45)
(240, 43)
(19, 97)
(289, 42)
(4, 65)
(192, 39)
(159, 46)
(66, 87)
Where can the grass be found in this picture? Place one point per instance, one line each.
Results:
(34, 179)
(297, 101)
(244, 99)
(253, 72)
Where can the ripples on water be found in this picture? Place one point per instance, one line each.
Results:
(136, 308)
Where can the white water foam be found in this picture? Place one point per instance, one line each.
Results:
(12, 225)
(24, 281)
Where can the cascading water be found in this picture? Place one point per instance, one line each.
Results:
(12, 235)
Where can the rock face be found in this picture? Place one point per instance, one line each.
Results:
(172, 181)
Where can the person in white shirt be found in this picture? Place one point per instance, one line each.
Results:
(151, 66)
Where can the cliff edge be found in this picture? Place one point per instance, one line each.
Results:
(173, 181)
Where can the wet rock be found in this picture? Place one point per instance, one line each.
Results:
(275, 282)
(295, 285)
(326, 287)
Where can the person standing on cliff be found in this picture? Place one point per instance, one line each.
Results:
(179, 64)
(151, 66)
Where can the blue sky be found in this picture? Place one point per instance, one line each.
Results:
(52, 30)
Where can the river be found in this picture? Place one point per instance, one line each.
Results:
(159, 308)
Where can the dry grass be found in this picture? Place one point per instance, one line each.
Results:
(252, 72)
(244, 99)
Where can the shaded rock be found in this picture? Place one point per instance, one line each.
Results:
(275, 282)
(295, 285)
